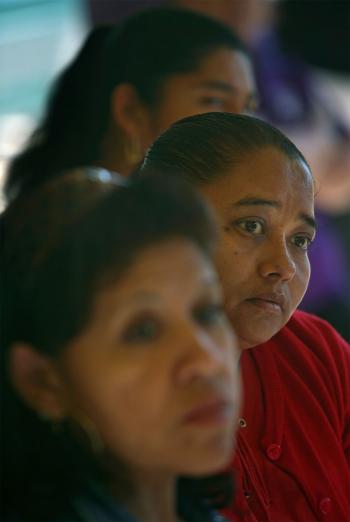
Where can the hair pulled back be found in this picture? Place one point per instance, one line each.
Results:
(203, 147)
(143, 51)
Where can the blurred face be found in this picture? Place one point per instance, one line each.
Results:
(156, 369)
(265, 208)
(223, 82)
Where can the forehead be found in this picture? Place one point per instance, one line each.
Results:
(231, 63)
(268, 174)
(229, 67)
(170, 269)
(178, 256)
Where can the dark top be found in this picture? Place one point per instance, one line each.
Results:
(96, 505)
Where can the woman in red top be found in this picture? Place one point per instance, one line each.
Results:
(293, 459)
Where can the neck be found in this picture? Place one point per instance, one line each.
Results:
(153, 497)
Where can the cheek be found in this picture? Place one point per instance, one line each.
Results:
(170, 110)
(121, 409)
(128, 413)
(302, 280)
(176, 104)
(232, 363)
(307, 271)
(104, 390)
(231, 265)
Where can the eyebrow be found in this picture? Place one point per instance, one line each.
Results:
(143, 297)
(256, 202)
(252, 96)
(226, 87)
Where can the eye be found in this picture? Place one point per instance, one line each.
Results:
(251, 226)
(252, 105)
(142, 330)
(213, 102)
(302, 242)
(209, 314)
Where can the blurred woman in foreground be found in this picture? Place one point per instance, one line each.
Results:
(118, 366)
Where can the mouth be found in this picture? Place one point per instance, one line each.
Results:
(274, 303)
(212, 412)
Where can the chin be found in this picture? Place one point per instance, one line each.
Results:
(208, 467)
(209, 461)
(259, 331)
(251, 339)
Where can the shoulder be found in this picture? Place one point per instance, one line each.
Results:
(315, 339)
(309, 330)
(304, 320)
(311, 347)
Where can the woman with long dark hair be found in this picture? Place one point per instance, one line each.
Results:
(127, 84)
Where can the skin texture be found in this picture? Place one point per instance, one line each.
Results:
(265, 210)
(156, 348)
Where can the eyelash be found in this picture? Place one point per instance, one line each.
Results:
(309, 242)
(134, 334)
(242, 225)
(147, 329)
(212, 101)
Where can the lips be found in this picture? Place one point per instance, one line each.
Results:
(215, 411)
(272, 301)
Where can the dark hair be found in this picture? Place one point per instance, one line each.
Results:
(326, 46)
(143, 51)
(61, 245)
(200, 148)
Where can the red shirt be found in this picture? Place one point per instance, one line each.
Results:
(293, 451)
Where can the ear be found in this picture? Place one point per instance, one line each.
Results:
(37, 380)
(131, 114)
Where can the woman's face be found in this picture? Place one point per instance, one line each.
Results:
(266, 212)
(224, 81)
(156, 369)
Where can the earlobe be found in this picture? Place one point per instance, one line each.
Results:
(37, 381)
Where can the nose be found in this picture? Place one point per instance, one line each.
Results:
(205, 358)
(277, 262)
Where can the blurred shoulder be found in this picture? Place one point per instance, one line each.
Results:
(313, 340)
(310, 327)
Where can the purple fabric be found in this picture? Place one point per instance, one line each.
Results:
(283, 83)
(286, 89)
(329, 278)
